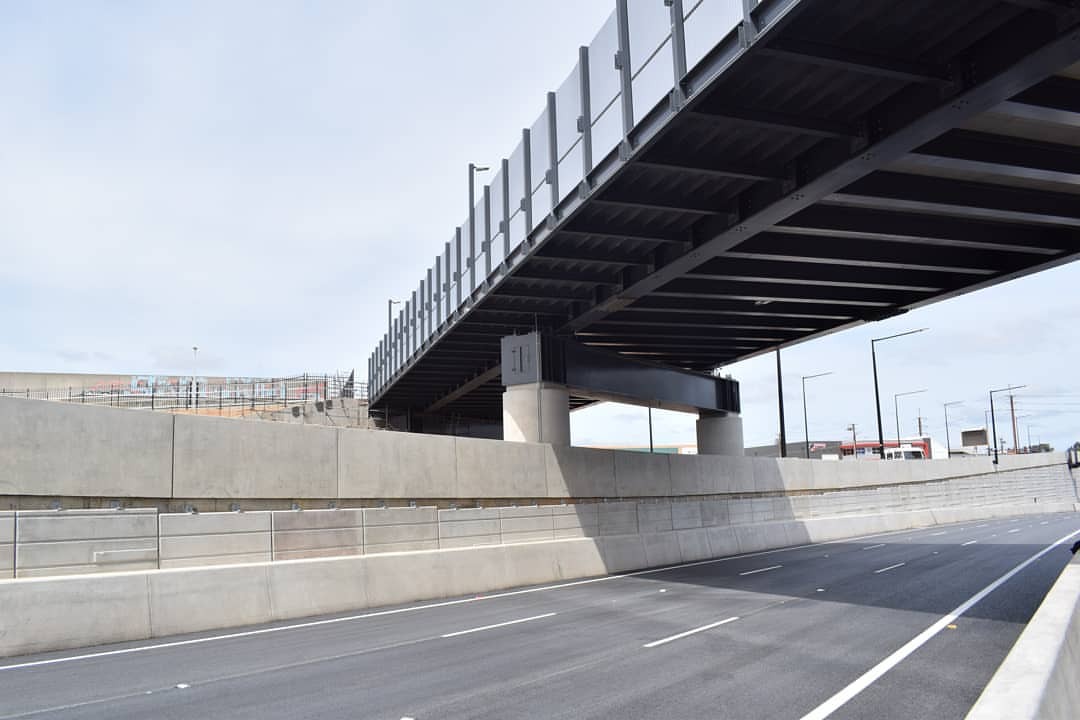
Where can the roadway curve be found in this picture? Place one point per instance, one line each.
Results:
(780, 634)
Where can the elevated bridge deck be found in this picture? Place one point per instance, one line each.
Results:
(821, 163)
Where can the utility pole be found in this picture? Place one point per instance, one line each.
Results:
(854, 445)
(1012, 411)
(780, 404)
(919, 417)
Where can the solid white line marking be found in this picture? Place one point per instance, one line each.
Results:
(874, 547)
(1013, 530)
(499, 625)
(1015, 520)
(764, 569)
(1045, 522)
(429, 606)
(891, 567)
(970, 542)
(681, 635)
(864, 681)
(937, 533)
(983, 525)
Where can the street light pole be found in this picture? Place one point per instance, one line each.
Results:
(896, 409)
(877, 393)
(948, 445)
(993, 420)
(806, 426)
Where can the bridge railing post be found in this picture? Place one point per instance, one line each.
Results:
(526, 201)
(504, 224)
(485, 246)
(552, 175)
(678, 51)
(623, 65)
(584, 122)
(457, 268)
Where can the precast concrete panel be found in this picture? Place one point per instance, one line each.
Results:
(579, 472)
(62, 449)
(395, 465)
(223, 458)
(494, 468)
(642, 474)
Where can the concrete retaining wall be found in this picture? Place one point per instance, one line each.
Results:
(65, 542)
(36, 616)
(61, 450)
(7, 544)
(1038, 678)
(85, 541)
(214, 538)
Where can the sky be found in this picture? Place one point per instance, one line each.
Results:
(257, 178)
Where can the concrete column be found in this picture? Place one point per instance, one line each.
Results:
(719, 434)
(545, 405)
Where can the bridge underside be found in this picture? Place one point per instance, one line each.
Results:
(858, 159)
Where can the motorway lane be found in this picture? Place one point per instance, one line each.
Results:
(810, 620)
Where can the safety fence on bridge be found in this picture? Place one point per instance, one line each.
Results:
(206, 397)
(639, 57)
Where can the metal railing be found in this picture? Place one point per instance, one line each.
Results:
(203, 396)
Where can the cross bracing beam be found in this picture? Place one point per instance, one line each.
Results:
(936, 196)
(677, 164)
(876, 253)
(773, 120)
(655, 238)
(767, 292)
(795, 269)
(813, 53)
(871, 224)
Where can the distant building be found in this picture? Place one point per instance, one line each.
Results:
(797, 449)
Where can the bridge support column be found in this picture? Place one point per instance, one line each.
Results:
(537, 412)
(719, 434)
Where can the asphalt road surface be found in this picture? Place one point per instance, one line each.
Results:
(901, 625)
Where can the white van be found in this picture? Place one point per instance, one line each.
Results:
(905, 452)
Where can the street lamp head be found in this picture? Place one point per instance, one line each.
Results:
(890, 337)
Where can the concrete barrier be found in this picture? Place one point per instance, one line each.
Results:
(199, 539)
(35, 614)
(1038, 678)
(70, 542)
